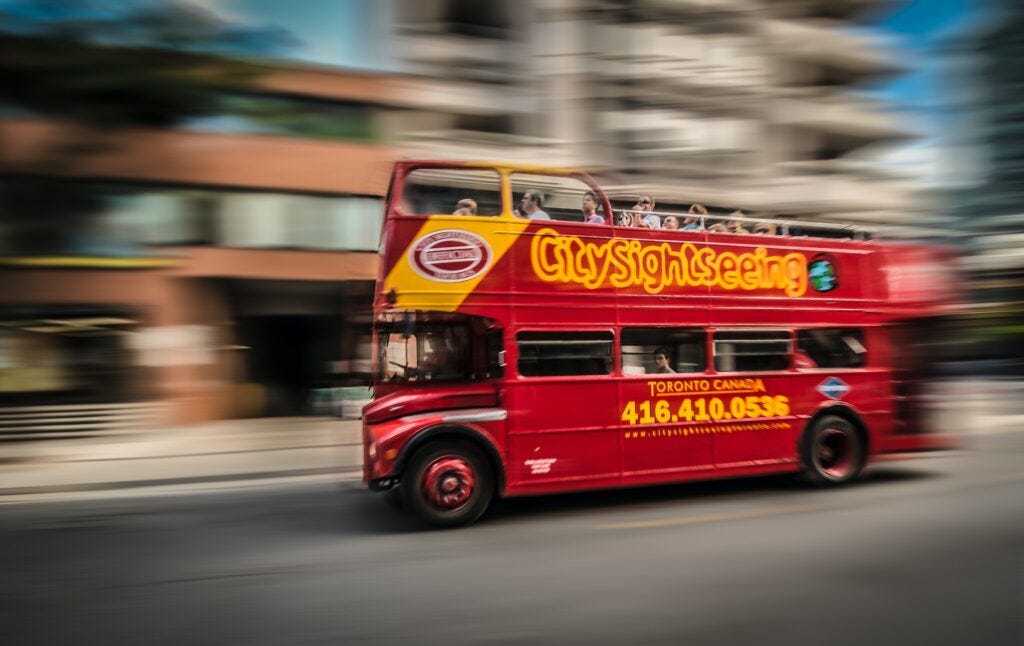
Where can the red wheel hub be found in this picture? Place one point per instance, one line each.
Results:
(448, 482)
(832, 453)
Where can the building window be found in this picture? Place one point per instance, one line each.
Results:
(111, 220)
(555, 354)
(831, 348)
(684, 351)
(269, 220)
(752, 351)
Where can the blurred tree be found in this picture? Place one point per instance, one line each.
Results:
(99, 65)
(123, 63)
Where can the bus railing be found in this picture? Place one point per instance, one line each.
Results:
(772, 226)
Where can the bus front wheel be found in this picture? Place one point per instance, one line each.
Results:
(448, 484)
(832, 451)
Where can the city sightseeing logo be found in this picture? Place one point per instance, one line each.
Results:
(450, 256)
(822, 273)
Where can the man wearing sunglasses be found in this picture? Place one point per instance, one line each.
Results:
(642, 216)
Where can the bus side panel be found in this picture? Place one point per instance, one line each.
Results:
(657, 437)
(769, 429)
(559, 431)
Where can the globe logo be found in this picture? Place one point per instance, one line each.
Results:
(822, 273)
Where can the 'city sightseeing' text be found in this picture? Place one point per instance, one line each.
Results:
(656, 267)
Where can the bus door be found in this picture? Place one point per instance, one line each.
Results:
(562, 410)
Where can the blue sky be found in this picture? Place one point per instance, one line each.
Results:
(353, 34)
(344, 33)
(919, 26)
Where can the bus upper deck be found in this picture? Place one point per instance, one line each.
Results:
(497, 260)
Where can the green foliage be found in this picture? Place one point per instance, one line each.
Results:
(303, 118)
(106, 64)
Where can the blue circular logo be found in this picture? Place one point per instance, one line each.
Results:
(822, 273)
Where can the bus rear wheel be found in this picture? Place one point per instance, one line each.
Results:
(448, 484)
(832, 451)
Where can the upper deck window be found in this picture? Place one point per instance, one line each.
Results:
(561, 197)
(462, 191)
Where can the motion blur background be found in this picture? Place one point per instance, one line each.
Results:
(191, 191)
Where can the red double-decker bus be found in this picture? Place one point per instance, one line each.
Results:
(528, 352)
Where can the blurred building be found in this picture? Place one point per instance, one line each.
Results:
(222, 267)
(737, 103)
(985, 110)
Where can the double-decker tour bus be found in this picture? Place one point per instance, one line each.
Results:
(521, 350)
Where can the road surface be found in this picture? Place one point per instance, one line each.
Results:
(928, 551)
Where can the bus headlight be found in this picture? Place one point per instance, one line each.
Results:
(372, 451)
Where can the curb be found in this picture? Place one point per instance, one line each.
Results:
(340, 474)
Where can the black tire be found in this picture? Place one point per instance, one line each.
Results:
(832, 451)
(393, 498)
(438, 466)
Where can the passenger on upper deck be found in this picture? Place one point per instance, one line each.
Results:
(734, 225)
(465, 206)
(693, 223)
(641, 213)
(531, 204)
(671, 223)
(589, 208)
(764, 229)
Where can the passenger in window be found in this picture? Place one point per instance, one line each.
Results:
(589, 208)
(642, 215)
(465, 206)
(662, 364)
(670, 222)
(718, 227)
(734, 225)
(531, 205)
(764, 229)
(692, 222)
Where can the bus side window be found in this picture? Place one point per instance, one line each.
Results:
(685, 349)
(752, 350)
(832, 347)
(551, 354)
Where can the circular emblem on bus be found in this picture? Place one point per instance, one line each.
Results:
(450, 255)
(822, 273)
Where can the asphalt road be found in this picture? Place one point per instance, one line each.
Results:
(929, 551)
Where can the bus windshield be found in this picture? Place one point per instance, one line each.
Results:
(454, 351)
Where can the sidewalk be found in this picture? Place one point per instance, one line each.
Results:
(232, 453)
